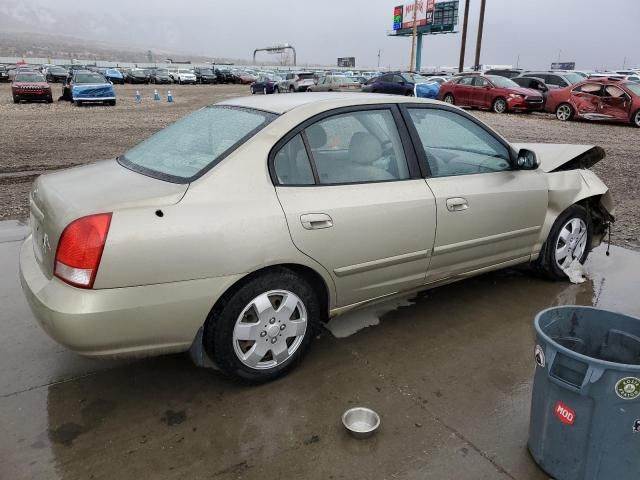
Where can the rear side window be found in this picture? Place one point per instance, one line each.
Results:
(466, 81)
(357, 147)
(590, 88)
(191, 146)
(292, 164)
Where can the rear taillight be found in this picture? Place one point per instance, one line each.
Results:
(80, 249)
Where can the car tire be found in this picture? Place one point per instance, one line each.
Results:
(409, 93)
(77, 103)
(49, 99)
(221, 332)
(111, 103)
(276, 90)
(16, 99)
(449, 98)
(564, 112)
(253, 91)
(264, 91)
(291, 89)
(573, 231)
(636, 119)
(499, 105)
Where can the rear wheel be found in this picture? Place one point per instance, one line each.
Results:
(253, 91)
(291, 89)
(77, 103)
(263, 329)
(499, 105)
(448, 98)
(569, 240)
(564, 112)
(276, 90)
(636, 119)
(264, 91)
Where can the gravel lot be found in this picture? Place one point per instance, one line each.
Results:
(36, 137)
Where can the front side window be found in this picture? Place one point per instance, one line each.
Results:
(466, 81)
(357, 147)
(455, 145)
(195, 143)
(590, 88)
(292, 164)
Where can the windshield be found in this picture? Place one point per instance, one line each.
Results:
(89, 78)
(29, 77)
(206, 71)
(573, 77)
(194, 144)
(634, 87)
(502, 82)
(414, 78)
(162, 72)
(57, 70)
(305, 76)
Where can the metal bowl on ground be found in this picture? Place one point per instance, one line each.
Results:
(361, 422)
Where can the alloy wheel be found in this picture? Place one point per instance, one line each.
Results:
(563, 113)
(270, 329)
(636, 119)
(264, 91)
(449, 99)
(500, 106)
(571, 243)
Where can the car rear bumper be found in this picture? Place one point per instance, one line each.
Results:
(119, 322)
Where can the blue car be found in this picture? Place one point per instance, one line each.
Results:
(266, 84)
(113, 75)
(84, 86)
(398, 83)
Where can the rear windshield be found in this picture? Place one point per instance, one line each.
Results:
(188, 148)
(305, 76)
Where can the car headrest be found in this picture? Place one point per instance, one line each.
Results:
(317, 136)
(364, 148)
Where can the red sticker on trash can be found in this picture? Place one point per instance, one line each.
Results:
(565, 414)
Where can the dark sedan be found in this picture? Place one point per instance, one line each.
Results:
(136, 76)
(205, 75)
(160, 75)
(396, 83)
(4, 74)
(56, 74)
(266, 84)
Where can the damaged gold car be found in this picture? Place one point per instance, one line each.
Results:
(236, 231)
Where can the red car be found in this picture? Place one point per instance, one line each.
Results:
(30, 86)
(597, 99)
(490, 91)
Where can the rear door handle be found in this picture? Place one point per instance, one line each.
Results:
(457, 204)
(316, 221)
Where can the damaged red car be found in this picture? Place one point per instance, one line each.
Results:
(30, 86)
(492, 92)
(597, 99)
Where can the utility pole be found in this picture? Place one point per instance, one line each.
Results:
(479, 41)
(379, 52)
(413, 37)
(463, 45)
(518, 62)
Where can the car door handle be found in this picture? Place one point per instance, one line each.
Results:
(316, 221)
(457, 204)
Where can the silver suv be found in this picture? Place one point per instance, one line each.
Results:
(297, 82)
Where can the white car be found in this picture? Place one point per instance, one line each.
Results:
(184, 75)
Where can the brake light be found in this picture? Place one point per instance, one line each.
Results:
(80, 249)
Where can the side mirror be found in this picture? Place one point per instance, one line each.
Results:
(527, 160)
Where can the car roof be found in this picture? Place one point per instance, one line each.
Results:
(283, 103)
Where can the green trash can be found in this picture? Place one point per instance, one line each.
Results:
(585, 406)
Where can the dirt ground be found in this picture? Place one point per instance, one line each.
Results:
(36, 137)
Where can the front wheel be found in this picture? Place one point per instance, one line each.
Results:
(448, 98)
(291, 89)
(564, 112)
(276, 90)
(636, 119)
(263, 329)
(569, 240)
(500, 105)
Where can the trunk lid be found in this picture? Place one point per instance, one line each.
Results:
(555, 156)
(57, 199)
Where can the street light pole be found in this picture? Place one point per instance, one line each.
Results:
(379, 52)
(413, 37)
(463, 45)
(479, 41)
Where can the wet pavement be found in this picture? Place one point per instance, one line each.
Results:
(449, 372)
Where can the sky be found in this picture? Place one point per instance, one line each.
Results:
(528, 34)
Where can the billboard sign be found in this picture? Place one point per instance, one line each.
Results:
(347, 62)
(403, 14)
(563, 66)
